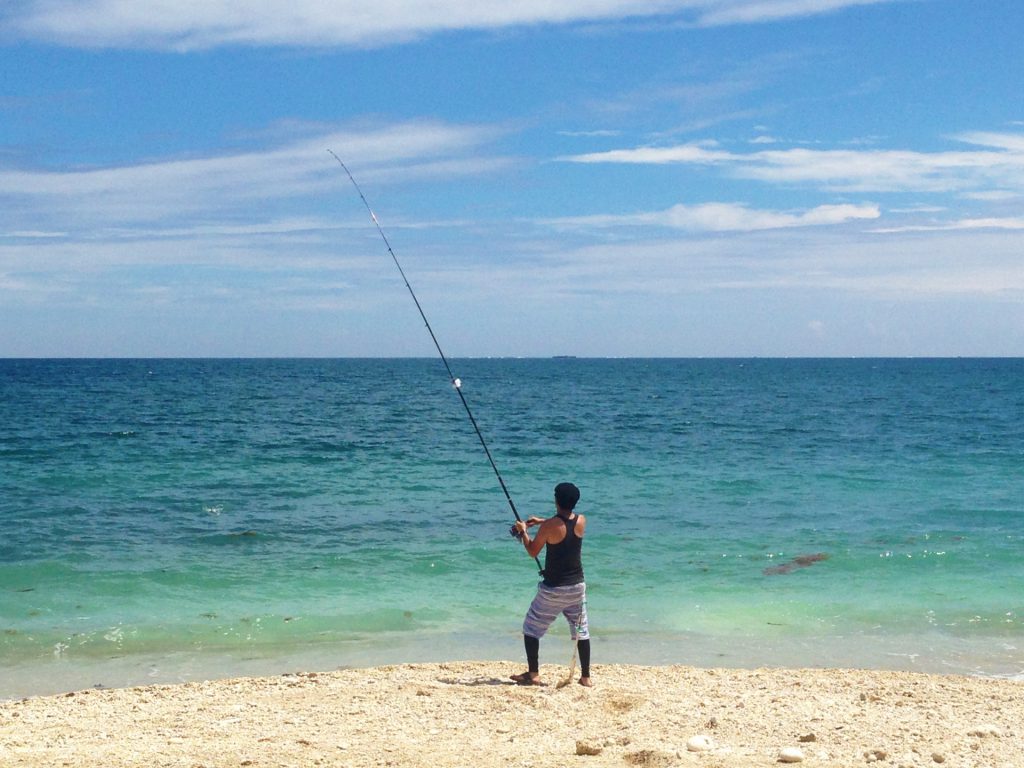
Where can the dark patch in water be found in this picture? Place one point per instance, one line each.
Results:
(800, 561)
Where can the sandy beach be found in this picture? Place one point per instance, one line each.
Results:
(469, 713)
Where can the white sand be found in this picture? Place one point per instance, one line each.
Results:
(469, 714)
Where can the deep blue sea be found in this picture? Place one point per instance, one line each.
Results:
(165, 520)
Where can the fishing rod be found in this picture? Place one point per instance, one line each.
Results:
(456, 382)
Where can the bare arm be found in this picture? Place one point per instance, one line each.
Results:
(536, 544)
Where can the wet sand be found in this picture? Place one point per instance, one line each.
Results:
(470, 714)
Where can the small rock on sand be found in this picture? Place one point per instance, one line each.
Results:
(791, 755)
(700, 743)
(985, 730)
(585, 748)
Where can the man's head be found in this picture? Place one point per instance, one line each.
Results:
(566, 496)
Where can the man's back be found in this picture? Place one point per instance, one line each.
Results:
(563, 564)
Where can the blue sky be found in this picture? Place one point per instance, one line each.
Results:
(589, 177)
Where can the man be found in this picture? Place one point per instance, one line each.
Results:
(563, 589)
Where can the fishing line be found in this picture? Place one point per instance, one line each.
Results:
(456, 382)
(575, 648)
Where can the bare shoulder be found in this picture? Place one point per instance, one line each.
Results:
(547, 528)
(553, 530)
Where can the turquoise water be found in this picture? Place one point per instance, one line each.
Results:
(172, 519)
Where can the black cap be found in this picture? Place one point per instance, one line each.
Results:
(566, 496)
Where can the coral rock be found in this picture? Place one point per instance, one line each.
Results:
(583, 748)
(791, 755)
(700, 744)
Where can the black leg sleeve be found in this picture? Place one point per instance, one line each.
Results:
(583, 648)
(532, 653)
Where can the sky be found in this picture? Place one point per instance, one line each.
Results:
(601, 178)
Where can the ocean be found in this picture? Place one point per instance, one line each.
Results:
(168, 520)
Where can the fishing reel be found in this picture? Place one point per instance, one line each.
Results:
(515, 533)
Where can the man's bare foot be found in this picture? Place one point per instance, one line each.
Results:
(527, 678)
(585, 682)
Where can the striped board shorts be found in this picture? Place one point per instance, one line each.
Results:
(570, 601)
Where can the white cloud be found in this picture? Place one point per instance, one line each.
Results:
(32, 234)
(590, 134)
(978, 281)
(984, 223)
(759, 11)
(194, 24)
(192, 186)
(1014, 142)
(683, 153)
(726, 217)
(922, 266)
(993, 195)
(919, 209)
(1001, 164)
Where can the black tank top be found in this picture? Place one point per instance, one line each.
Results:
(562, 563)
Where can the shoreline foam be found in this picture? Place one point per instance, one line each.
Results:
(469, 713)
(977, 656)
